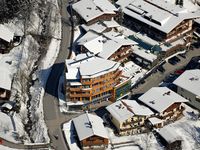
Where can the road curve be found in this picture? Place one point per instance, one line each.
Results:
(53, 117)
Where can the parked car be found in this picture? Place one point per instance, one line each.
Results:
(172, 62)
(176, 59)
(179, 72)
(183, 55)
(161, 69)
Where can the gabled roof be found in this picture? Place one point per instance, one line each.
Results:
(125, 109)
(91, 9)
(169, 134)
(105, 44)
(88, 125)
(159, 14)
(6, 34)
(160, 98)
(190, 81)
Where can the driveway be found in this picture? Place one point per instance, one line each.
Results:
(156, 78)
(53, 117)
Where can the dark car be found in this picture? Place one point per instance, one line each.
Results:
(183, 55)
(176, 59)
(161, 69)
(172, 62)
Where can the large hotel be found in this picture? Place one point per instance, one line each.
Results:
(91, 79)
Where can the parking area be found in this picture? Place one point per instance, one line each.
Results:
(156, 78)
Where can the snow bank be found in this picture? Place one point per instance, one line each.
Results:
(39, 131)
(68, 133)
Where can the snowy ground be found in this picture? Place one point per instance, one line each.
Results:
(39, 132)
(23, 58)
(187, 127)
(68, 133)
(6, 148)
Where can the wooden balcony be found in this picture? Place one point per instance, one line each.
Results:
(74, 89)
(102, 91)
(122, 57)
(86, 82)
(120, 51)
(132, 122)
(103, 84)
(79, 95)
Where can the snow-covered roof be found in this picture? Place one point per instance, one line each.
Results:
(144, 54)
(90, 67)
(155, 120)
(5, 78)
(91, 9)
(90, 35)
(159, 14)
(87, 125)
(105, 44)
(7, 105)
(160, 98)
(111, 46)
(169, 134)
(111, 24)
(100, 26)
(94, 46)
(73, 74)
(124, 109)
(190, 81)
(6, 34)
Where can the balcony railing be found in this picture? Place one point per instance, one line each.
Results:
(97, 99)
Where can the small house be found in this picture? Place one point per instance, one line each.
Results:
(188, 86)
(90, 131)
(166, 104)
(170, 138)
(6, 38)
(128, 116)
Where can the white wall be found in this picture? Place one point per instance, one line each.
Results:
(189, 96)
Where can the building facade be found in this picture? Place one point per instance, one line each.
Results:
(168, 25)
(166, 104)
(92, 11)
(90, 131)
(128, 116)
(188, 86)
(92, 80)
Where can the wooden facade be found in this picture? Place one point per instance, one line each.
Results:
(4, 94)
(172, 113)
(103, 17)
(122, 54)
(93, 141)
(5, 46)
(180, 30)
(95, 88)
